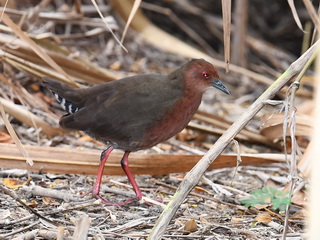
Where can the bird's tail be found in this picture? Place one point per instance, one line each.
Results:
(65, 95)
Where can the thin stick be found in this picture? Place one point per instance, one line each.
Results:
(193, 177)
(14, 136)
(109, 28)
(226, 14)
(239, 43)
(291, 116)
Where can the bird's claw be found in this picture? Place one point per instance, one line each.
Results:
(119, 204)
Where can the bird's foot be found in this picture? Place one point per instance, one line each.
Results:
(119, 204)
(129, 201)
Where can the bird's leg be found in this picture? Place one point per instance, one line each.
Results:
(96, 187)
(103, 159)
(125, 167)
(124, 163)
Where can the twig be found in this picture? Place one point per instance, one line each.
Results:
(47, 192)
(14, 136)
(278, 227)
(312, 13)
(291, 115)
(82, 228)
(239, 160)
(107, 25)
(128, 225)
(216, 187)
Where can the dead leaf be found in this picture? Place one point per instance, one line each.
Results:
(262, 206)
(13, 183)
(200, 189)
(221, 230)
(272, 127)
(299, 198)
(60, 183)
(32, 204)
(264, 218)
(271, 183)
(301, 214)
(178, 222)
(236, 220)
(5, 138)
(35, 87)
(191, 225)
(180, 176)
(49, 201)
(295, 14)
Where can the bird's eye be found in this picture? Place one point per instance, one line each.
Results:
(205, 74)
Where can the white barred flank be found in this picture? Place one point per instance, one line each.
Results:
(66, 105)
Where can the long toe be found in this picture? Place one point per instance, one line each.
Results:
(97, 196)
(129, 201)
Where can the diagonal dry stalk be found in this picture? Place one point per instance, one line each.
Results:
(290, 122)
(193, 177)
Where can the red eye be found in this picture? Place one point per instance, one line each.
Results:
(205, 74)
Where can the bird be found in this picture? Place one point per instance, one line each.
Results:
(135, 113)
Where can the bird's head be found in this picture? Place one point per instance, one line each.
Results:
(201, 74)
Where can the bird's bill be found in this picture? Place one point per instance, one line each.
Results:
(218, 84)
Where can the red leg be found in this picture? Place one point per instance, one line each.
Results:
(125, 167)
(124, 163)
(96, 187)
(103, 159)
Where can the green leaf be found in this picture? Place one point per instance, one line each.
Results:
(268, 195)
